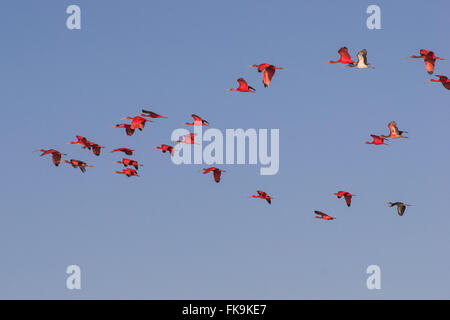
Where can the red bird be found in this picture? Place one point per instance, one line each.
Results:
(127, 128)
(96, 148)
(394, 132)
(83, 141)
(151, 114)
(78, 164)
(188, 139)
(344, 57)
(56, 155)
(322, 215)
(263, 195)
(128, 172)
(164, 148)
(127, 151)
(429, 59)
(197, 121)
(128, 162)
(269, 71)
(377, 140)
(347, 196)
(444, 80)
(243, 86)
(137, 122)
(216, 172)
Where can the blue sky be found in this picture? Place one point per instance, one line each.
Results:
(174, 233)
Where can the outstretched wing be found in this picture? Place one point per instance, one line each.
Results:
(267, 76)
(217, 174)
(320, 213)
(348, 199)
(243, 85)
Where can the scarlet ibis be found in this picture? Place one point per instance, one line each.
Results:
(377, 140)
(128, 172)
(444, 80)
(137, 122)
(362, 61)
(127, 128)
(429, 58)
(347, 196)
(188, 139)
(151, 114)
(269, 71)
(263, 195)
(165, 147)
(128, 162)
(78, 164)
(322, 215)
(127, 151)
(198, 121)
(56, 155)
(401, 207)
(216, 172)
(394, 132)
(83, 141)
(96, 148)
(344, 56)
(243, 86)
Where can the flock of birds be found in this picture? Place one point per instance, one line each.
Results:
(139, 121)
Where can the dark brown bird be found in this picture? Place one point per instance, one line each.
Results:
(401, 207)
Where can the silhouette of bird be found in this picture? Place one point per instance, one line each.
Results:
(263, 195)
(151, 114)
(322, 215)
(216, 172)
(347, 196)
(269, 71)
(362, 61)
(164, 148)
(243, 86)
(401, 207)
(377, 140)
(198, 121)
(56, 155)
(128, 152)
(78, 164)
(429, 58)
(394, 132)
(344, 56)
(444, 80)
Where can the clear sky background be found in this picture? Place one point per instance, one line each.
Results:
(174, 233)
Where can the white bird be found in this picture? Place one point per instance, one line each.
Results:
(362, 61)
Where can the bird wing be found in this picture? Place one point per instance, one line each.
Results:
(267, 76)
(150, 113)
(261, 193)
(362, 56)
(401, 209)
(393, 128)
(424, 52)
(320, 213)
(343, 53)
(348, 199)
(429, 65)
(56, 157)
(217, 174)
(243, 85)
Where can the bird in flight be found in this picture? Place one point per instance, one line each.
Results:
(96, 148)
(429, 58)
(78, 164)
(394, 132)
(442, 79)
(127, 128)
(216, 173)
(137, 122)
(243, 86)
(362, 61)
(56, 155)
(83, 141)
(322, 215)
(165, 147)
(198, 121)
(263, 195)
(128, 162)
(347, 196)
(269, 71)
(151, 114)
(377, 140)
(401, 207)
(344, 57)
(128, 152)
(188, 139)
(128, 172)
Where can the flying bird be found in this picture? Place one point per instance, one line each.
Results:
(347, 196)
(322, 215)
(128, 162)
(127, 151)
(151, 114)
(83, 141)
(263, 195)
(216, 172)
(127, 128)
(362, 61)
(243, 86)
(188, 139)
(137, 122)
(429, 58)
(442, 79)
(269, 71)
(344, 57)
(198, 121)
(128, 172)
(394, 132)
(78, 164)
(377, 140)
(96, 148)
(164, 148)
(401, 207)
(56, 155)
